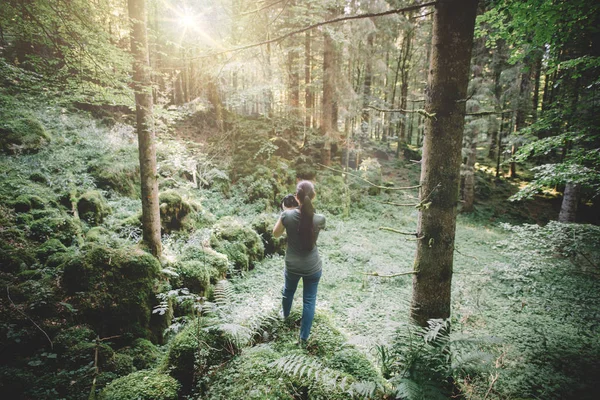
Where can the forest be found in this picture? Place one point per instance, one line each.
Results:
(146, 147)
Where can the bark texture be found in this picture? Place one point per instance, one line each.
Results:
(452, 41)
(145, 126)
(568, 208)
(328, 100)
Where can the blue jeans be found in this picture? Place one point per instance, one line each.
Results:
(309, 298)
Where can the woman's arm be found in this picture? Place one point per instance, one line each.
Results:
(279, 228)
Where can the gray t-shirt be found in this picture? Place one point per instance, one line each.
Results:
(298, 261)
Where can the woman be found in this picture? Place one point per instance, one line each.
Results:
(302, 259)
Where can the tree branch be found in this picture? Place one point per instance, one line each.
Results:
(385, 228)
(483, 113)
(402, 111)
(370, 183)
(389, 276)
(313, 26)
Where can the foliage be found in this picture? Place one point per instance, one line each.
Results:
(142, 385)
(118, 171)
(177, 213)
(22, 134)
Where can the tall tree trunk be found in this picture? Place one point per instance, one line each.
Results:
(368, 79)
(308, 96)
(497, 67)
(469, 174)
(522, 111)
(406, 49)
(145, 126)
(568, 208)
(454, 23)
(328, 101)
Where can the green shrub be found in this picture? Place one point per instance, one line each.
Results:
(239, 242)
(370, 170)
(112, 289)
(92, 207)
(142, 385)
(268, 183)
(22, 135)
(333, 195)
(121, 364)
(263, 224)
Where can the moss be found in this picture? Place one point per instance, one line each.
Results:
(121, 364)
(268, 183)
(39, 178)
(142, 385)
(353, 362)
(242, 245)
(112, 289)
(118, 171)
(263, 224)
(48, 248)
(333, 195)
(69, 337)
(92, 207)
(24, 134)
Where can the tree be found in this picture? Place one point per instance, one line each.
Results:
(452, 40)
(145, 126)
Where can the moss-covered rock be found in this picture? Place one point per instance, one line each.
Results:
(112, 289)
(268, 184)
(92, 207)
(48, 248)
(22, 135)
(200, 267)
(118, 171)
(242, 245)
(142, 385)
(263, 225)
(26, 202)
(60, 226)
(177, 213)
(121, 364)
(98, 234)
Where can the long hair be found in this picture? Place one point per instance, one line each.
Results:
(305, 191)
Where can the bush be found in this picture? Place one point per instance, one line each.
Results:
(22, 135)
(333, 195)
(142, 385)
(92, 207)
(15, 250)
(239, 242)
(268, 184)
(112, 289)
(370, 170)
(263, 224)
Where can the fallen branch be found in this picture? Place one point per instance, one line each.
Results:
(385, 228)
(483, 113)
(389, 276)
(26, 316)
(465, 255)
(370, 183)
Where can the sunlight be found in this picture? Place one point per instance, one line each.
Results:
(187, 20)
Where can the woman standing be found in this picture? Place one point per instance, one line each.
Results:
(302, 259)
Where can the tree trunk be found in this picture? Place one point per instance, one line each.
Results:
(368, 79)
(328, 101)
(406, 48)
(308, 96)
(469, 175)
(452, 41)
(143, 111)
(568, 208)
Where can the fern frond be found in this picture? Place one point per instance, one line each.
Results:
(224, 294)
(409, 390)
